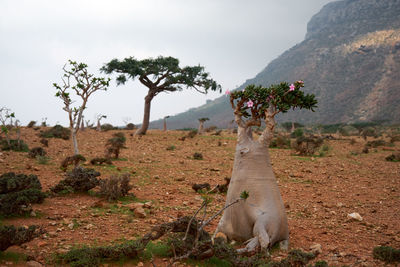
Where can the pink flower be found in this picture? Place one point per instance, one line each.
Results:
(250, 104)
(291, 87)
(300, 82)
(227, 92)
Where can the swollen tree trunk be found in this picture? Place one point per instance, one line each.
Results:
(201, 127)
(262, 217)
(146, 116)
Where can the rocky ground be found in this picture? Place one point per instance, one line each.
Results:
(319, 194)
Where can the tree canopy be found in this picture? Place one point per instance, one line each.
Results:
(161, 74)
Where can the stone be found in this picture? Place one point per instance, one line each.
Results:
(71, 226)
(140, 264)
(33, 264)
(354, 216)
(148, 205)
(140, 212)
(134, 206)
(42, 243)
(316, 249)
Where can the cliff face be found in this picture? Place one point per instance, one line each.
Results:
(350, 59)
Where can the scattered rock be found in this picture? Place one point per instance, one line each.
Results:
(140, 213)
(134, 206)
(354, 216)
(140, 264)
(33, 264)
(89, 226)
(71, 226)
(148, 205)
(33, 213)
(42, 244)
(316, 248)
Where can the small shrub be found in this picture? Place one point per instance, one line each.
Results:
(321, 264)
(369, 131)
(197, 156)
(107, 127)
(31, 124)
(376, 143)
(115, 187)
(78, 180)
(43, 160)
(210, 129)
(365, 150)
(192, 134)
(395, 138)
(306, 146)
(217, 132)
(37, 151)
(387, 254)
(10, 235)
(72, 160)
(18, 191)
(353, 141)
(296, 257)
(57, 132)
(14, 145)
(348, 130)
(44, 142)
(171, 147)
(280, 142)
(395, 157)
(100, 161)
(200, 187)
(297, 133)
(130, 126)
(115, 144)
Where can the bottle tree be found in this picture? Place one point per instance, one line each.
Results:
(200, 130)
(76, 79)
(262, 218)
(162, 74)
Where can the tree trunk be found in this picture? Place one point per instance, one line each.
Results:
(74, 141)
(165, 125)
(201, 128)
(98, 128)
(146, 116)
(262, 217)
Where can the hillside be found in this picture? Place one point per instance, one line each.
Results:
(350, 59)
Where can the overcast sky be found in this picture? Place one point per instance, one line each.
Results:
(233, 39)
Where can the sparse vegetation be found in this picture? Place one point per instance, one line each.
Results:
(171, 147)
(387, 254)
(197, 156)
(280, 142)
(115, 187)
(18, 192)
(36, 152)
(307, 146)
(57, 131)
(72, 160)
(100, 161)
(11, 235)
(115, 144)
(78, 180)
(395, 157)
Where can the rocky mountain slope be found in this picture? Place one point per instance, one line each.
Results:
(350, 59)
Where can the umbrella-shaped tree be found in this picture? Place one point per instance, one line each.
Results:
(161, 74)
(262, 218)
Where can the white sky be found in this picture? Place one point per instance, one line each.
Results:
(232, 39)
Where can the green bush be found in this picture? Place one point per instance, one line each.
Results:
(307, 146)
(115, 144)
(171, 147)
(10, 235)
(14, 145)
(376, 143)
(36, 151)
(394, 157)
(78, 180)
(107, 127)
(18, 191)
(297, 133)
(387, 254)
(197, 156)
(280, 142)
(57, 132)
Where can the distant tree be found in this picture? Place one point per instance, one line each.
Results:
(161, 74)
(291, 126)
(264, 222)
(98, 118)
(77, 79)
(165, 123)
(6, 120)
(201, 125)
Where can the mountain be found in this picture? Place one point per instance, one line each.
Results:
(350, 59)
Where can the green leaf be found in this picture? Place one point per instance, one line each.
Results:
(244, 195)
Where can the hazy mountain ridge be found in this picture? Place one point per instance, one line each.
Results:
(350, 59)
